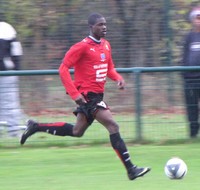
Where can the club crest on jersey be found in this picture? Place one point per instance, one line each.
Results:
(103, 56)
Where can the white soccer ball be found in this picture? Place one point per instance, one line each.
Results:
(175, 168)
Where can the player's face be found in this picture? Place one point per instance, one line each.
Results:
(196, 22)
(99, 29)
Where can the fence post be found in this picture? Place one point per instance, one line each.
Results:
(138, 103)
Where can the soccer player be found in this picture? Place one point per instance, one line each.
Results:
(92, 62)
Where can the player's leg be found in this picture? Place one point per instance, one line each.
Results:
(105, 118)
(56, 128)
(10, 104)
(65, 129)
(192, 108)
(81, 125)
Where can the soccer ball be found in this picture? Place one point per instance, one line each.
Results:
(175, 168)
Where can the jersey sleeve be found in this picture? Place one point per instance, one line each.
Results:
(70, 60)
(112, 73)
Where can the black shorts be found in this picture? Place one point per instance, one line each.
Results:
(94, 103)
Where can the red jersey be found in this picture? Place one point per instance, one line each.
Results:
(92, 63)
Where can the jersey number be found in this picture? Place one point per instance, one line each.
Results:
(101, 75)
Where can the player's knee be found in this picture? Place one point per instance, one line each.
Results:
(113, 127)
(78, 133)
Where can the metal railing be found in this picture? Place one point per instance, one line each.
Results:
(136, 71)
(120, 70)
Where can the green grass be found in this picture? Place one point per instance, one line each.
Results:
(156, 128)
(49, 162)
(94, 167)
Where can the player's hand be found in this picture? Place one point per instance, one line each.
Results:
(80, 100)
(121, 84)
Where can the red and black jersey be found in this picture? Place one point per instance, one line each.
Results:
(92, 63)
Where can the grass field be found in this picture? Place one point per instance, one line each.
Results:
(49, 162)
(156, 128)
(94, 167)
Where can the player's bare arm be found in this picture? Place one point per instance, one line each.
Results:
(80, 100)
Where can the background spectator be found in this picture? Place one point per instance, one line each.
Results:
(10, 53)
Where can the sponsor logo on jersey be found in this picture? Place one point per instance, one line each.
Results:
(101, 72)
(92, 49)
(100, 66)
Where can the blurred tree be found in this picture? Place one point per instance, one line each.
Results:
(140, 23)
(138, 30)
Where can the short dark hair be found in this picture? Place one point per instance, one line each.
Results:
(92, 19)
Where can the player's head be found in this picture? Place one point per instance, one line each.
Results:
(195, 18)
(92, 19)
(97, 24)
(194, 13)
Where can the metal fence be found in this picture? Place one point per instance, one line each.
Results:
(151, 107)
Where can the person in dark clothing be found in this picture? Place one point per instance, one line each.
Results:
(92, 62)
(191, 57)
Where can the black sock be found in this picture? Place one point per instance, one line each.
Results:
(58, 128)
(121, 150)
